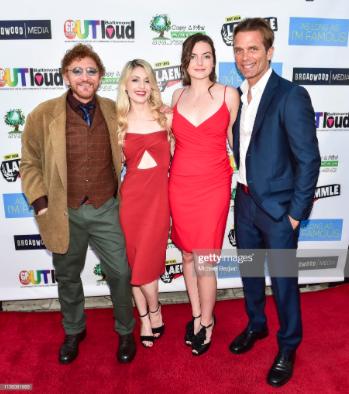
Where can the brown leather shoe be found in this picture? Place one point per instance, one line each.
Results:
(70, 348)
(127, 348)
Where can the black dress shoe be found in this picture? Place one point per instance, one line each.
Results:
(70, 348)
(244, 342)
(127, 348)
(281, 370)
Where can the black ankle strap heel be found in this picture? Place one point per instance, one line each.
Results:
(189, 331)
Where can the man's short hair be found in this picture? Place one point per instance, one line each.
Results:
(256, 24)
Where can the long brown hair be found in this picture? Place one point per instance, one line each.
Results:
(187, 50)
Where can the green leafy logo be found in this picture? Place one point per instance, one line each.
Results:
(159, 24)
(15, 118)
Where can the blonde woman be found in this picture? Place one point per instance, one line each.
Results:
(143, 132)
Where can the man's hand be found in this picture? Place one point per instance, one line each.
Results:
(294, 222)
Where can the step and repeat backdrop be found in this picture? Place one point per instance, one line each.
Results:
(311, 49)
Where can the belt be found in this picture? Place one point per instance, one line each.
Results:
(244, 188)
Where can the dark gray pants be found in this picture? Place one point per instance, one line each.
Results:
(101, 229)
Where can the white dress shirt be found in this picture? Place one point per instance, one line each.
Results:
(247, 119)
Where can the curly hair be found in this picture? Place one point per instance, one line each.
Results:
(80, 51)
(123, 102)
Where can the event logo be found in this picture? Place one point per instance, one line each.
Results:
(318, 31)
(37, 278)
(16, 206)
(173, 270)
(28, 242)
(110, 81)
(317, 263)
(327, 191)
(25, 30)
(329, 163)
(14, 118)
(230, 75)
(232, 21)
(321, 230)
(31, 78)
(331, 121)
(167, 75)
(176, 34)
(10, 167)
(321, 76)
(99, 30)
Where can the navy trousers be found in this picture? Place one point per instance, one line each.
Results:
(275, 243)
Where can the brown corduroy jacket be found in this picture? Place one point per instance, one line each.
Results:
(43, 165)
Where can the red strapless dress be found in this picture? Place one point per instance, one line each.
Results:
(200, 182)
(144, 207)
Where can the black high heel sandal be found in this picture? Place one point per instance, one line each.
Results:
(158, 330)
(198, 346)
(189, 331)
(146, 338)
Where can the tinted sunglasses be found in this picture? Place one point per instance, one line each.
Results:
(78, 71)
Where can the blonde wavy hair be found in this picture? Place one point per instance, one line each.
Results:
(123, 102)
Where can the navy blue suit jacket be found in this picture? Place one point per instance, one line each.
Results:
(283, 160)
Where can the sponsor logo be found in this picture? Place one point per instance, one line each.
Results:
(171, 34)
(31, 78)
(99, 30)
(232, 21)
(329, 163)
(173, 270)
(232, 238)
(318, 31)
(321, 76)
(327, 191)
(229, 74)
(10, 167)
(170, 244)
(16, 206)
(321, 230)
(14, 118)
(97, 270)
(110, 81)
(317, 263)
(332, 121)
(232, 199)
(25, 30)
(28, 242)
(37, 278)
(167, 75)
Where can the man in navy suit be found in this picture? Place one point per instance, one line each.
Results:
(276, 151)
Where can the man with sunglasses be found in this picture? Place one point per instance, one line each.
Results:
(70, 171)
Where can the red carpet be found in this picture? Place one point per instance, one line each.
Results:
(30, 341)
